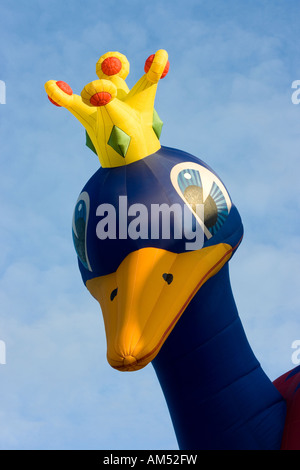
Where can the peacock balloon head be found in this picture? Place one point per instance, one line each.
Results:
(142, 274)
(122, 125)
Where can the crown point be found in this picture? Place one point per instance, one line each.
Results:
(65, 88)
(99, 93)
(111, 66)
(100, 99)
(149, 62)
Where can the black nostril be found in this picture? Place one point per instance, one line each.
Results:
(168, 277)
(113, 294)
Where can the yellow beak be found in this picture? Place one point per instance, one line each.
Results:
(143, 300)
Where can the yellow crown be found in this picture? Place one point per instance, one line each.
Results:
(121, 124)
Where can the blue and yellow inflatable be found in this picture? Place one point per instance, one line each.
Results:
(154, 229)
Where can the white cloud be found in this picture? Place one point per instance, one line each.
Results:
(57, 389)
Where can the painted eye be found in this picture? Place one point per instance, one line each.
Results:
(195, 184)
(79, 228)
(220, 209)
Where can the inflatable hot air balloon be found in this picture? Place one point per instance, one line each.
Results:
(154, 229)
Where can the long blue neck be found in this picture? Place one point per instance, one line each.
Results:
(217, 393)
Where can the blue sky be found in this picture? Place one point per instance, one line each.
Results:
(227, 99)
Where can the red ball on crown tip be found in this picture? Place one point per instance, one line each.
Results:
(111, 66)
(65, 88)
(100, 99)
(148, 64)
